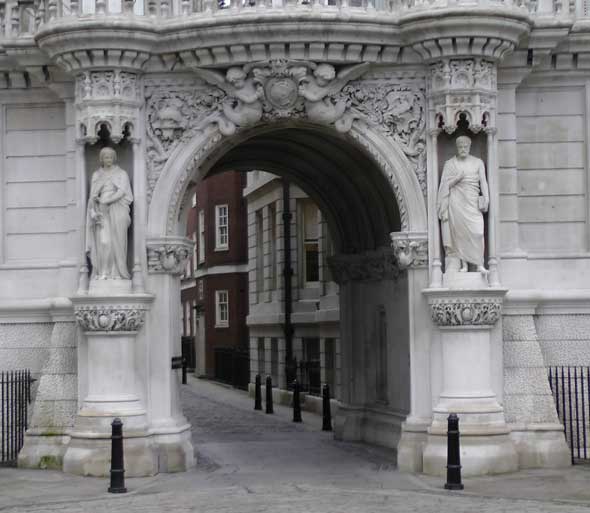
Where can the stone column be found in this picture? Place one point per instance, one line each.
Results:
(411, 252)
(465, 319)
(166, 258)
(110, 325)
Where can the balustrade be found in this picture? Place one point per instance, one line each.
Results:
(24, 17)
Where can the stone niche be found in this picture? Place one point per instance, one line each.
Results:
(124, 151)
(446, 149)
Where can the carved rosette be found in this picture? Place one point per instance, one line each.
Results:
(370, 266)
(459, 87)
(410, 249)
(168, 255)
(463, 308)
(127, 318)
(109, 97)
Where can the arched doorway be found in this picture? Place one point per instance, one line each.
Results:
(367, 190)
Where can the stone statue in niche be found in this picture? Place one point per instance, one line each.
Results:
(462, 197)
(108, 219)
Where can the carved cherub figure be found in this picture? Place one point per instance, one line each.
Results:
(241, 107)
(318, 90)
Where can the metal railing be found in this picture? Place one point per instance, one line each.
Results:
(307, 373)
(232, 366)
(571, 390)
(15, 394)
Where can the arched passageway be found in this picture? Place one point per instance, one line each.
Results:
(357, 197)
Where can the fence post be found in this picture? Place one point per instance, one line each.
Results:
(269, 408)
(296, 402)
(326, 411)
(453, 455)
(117, 466)
(258, 393)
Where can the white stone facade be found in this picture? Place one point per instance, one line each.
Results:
(359, 105)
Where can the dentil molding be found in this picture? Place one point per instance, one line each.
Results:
(168, 254)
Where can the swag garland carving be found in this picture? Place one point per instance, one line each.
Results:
(466, 311)
(277, 90)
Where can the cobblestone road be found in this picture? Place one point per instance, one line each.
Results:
(251, 462)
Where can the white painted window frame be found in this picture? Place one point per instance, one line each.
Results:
(220, 243)
(201, 226)
(220, 295)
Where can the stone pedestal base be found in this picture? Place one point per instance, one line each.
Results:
(175, 451)
(375, 426)
(43, 451)
(89, 449)
(480, 455)
(410, 450)
(541, 446)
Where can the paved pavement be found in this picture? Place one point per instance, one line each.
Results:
(251, 462)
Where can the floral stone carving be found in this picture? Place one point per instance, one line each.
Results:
(466, 311)
(110, 318)
(281, 89)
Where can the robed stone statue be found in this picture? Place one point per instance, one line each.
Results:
(462, 197)
(108, 219)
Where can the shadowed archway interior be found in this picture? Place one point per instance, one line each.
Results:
(340, 177)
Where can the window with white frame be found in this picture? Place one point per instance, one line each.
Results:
(221, 227)
(195, 256)
(309, 236)
(221, 308)
(201, 247)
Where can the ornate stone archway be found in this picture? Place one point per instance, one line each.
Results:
(383, 116)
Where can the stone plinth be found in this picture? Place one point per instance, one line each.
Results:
(110, 325)
(465, 318)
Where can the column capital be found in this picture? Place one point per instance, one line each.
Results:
(410, 249)
(378, 265)
(168, 255)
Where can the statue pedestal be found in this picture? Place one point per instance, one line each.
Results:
(465, 318)
(110, 324)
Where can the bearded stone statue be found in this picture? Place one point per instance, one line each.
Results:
(462, 197)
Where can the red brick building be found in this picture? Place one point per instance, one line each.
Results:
(215, 286)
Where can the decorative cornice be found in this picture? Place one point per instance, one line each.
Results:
(463, 308)
(410, 249)
(168, 254)
(369, 266)
(116, 314)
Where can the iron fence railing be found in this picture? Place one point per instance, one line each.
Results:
(232, 366)
(307, 373)
(15, 394)
(571, 390)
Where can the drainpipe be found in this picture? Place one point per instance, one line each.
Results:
(287, 274)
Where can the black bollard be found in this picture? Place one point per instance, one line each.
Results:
(327, 413)
(258, 393)
(117, 467)
(453, 455)
(297, 402)
(269, 408)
